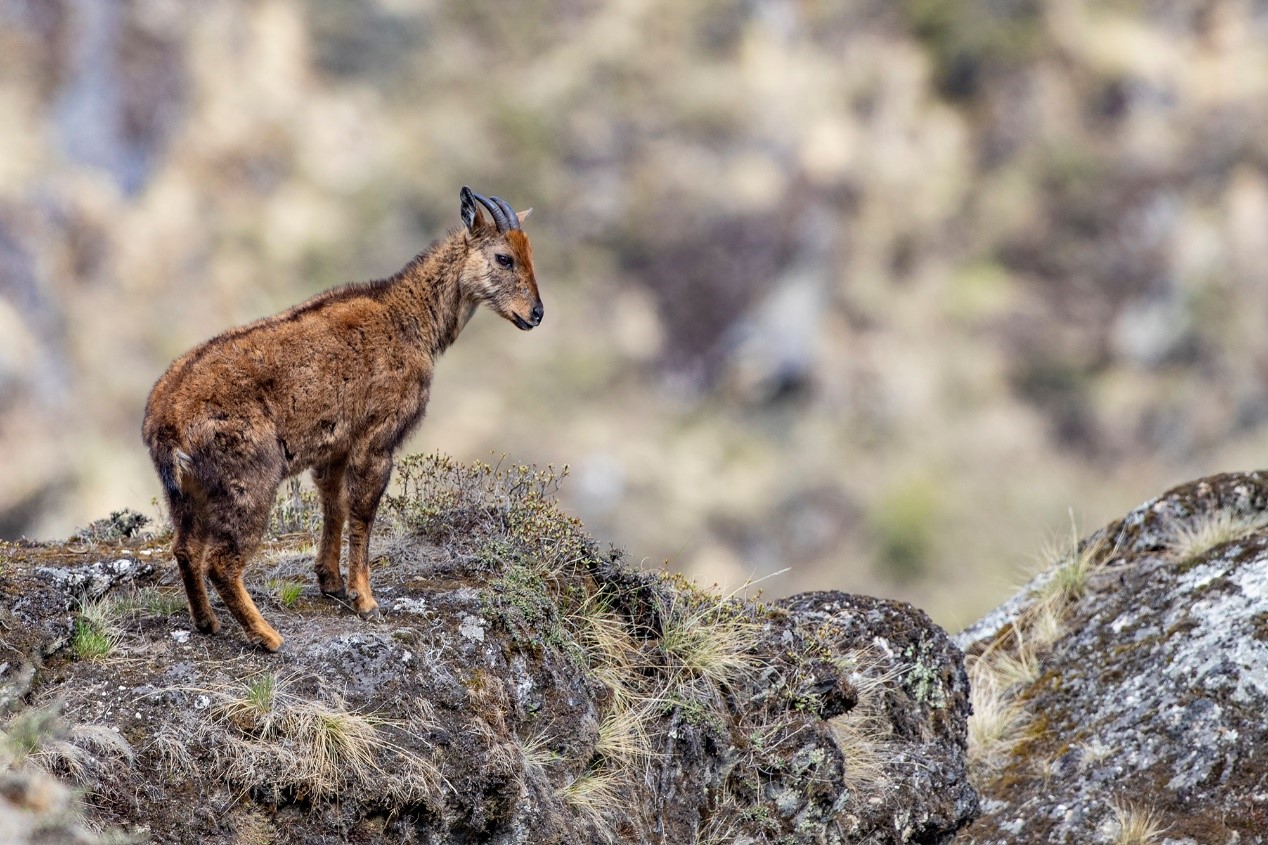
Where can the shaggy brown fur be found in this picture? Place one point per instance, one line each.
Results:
(332, 385)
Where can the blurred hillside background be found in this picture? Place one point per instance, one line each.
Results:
(876, 290)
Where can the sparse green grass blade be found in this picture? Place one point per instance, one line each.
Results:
(158, 601)
(95, 634)
(288, 593)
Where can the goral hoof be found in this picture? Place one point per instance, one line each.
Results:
(210, 627)
(370, 615)
(270, 643)
(341, 594)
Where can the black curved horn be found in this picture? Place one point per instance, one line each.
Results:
(499, 216)
(512, 218)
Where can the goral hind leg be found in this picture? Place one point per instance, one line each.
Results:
(238, 517)
(226, 561)
(188, 546)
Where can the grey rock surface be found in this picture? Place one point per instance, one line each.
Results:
(1153, 700)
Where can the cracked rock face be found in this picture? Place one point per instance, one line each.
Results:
(1153, 700)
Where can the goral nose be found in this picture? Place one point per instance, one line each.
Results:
(538, 312)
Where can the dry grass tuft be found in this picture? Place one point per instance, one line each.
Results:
(709, 635)
(536, 753)
(32, 744)
(1194, 537)
(1044, 623)
(725, 825)
(268, 740)
(863, 733)
(623, 739)
(1135, 825)
(84, 754)
(26, 733)
(1071, 563)
(609, 648)
(996, 722)
(1013, 660)
(596, 795)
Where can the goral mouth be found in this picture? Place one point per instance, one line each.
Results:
(520, 322)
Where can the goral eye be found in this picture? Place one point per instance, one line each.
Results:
(505, 261)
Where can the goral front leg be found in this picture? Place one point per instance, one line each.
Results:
(330, 482)
(367, 479)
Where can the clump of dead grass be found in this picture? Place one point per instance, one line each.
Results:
(596, 795)
(86, 752)
(1135, 825)
(1192, 538)
(864, 733)
(1069, 565)
(996, 678)
(271, 741)
(1012, 661)
(995, 726)
(707, 634)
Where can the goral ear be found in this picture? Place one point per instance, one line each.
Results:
(470, 210)
(523, 215)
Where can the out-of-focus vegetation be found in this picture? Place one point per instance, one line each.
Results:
(876, 290)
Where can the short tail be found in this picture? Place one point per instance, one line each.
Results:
(173, 472)
(175, 466)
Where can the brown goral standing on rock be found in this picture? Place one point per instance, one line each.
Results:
(334, 385)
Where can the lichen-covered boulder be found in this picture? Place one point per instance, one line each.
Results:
(1145, 715)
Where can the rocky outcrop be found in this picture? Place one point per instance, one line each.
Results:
(1147, 708)
(520, 686)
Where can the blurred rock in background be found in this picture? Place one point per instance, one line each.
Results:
(867, 289)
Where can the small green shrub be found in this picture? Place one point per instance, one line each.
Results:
(490, 509)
